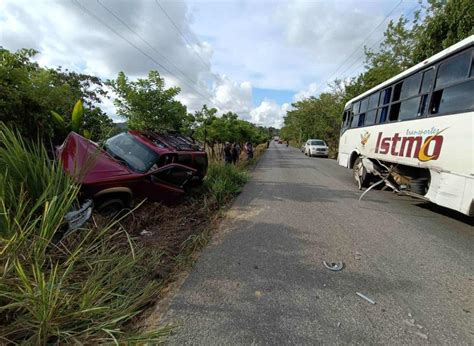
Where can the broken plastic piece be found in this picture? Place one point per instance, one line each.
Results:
(366, 298)
(334, 266)
(77, 218)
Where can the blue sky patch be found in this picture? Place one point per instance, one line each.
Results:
(280, 96)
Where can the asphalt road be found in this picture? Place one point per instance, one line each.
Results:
(262, 280)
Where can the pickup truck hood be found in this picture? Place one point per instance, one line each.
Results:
(87, 162)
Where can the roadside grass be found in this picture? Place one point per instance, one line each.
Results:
(85, 288)
(94, 284)
(223, 182)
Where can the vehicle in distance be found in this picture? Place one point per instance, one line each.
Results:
(415, 131)
(129, 165)
(316, 147)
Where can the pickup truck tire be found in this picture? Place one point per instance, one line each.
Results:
(111, 205)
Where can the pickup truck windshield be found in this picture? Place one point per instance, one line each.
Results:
(130, 151)
(318, 143)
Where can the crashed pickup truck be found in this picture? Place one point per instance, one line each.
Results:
(128, 165)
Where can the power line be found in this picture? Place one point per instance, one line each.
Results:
(365, 39)
(146, 42)
(86, 10)
(372, 46)
(182, 35)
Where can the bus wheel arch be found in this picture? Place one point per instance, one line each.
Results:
(353, 159)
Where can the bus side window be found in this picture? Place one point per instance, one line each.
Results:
(453, 91)
(425, 89)
(355, 121)
(453, 70)
(384, 101)
(471, 74)
(454, 99)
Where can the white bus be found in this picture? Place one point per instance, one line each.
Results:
(415, 130)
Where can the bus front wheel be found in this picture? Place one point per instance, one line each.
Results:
(360, 174)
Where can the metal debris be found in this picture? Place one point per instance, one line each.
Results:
(334, 266)
(409, 323)
(424, 336)
(366, 298)
(338, 324)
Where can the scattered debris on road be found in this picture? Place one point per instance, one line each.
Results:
(357, 256)
(366, 298)
(410, 323)
(338, 324)
(421, 335)
(334, 266)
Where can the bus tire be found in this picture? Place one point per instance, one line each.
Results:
(360, 175)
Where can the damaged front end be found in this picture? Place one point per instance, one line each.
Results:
(399, 178)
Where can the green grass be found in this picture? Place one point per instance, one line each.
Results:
(225, 181)
(88, 287)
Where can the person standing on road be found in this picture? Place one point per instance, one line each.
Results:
(235, 153)
(268, 143)
(249, 149)
(227, 153)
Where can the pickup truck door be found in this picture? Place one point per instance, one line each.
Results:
(167, 183)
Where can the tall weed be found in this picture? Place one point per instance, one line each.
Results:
(225, 181)
(84, 289)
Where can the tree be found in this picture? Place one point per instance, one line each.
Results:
(445, 23)
(28, 94)
(147, 104)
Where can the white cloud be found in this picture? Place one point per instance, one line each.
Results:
(230, 47)
(232, 96)
(312, 90)
(105, 37)
(269, 113)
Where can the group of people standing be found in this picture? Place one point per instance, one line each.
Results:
(232, 152)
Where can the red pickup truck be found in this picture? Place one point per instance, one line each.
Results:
(132, 164)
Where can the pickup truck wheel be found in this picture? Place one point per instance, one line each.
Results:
(360, 174)
(111, 207)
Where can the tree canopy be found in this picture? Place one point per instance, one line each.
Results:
(28, 94)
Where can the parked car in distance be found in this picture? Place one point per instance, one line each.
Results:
(316, 147)
(280, 141)
(129, 165)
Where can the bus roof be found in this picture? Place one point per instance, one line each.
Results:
(461, 44)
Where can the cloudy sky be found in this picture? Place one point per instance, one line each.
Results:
(251, 57)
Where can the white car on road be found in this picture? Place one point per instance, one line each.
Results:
(316, 147)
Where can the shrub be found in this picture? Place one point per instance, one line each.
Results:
(224, 181)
